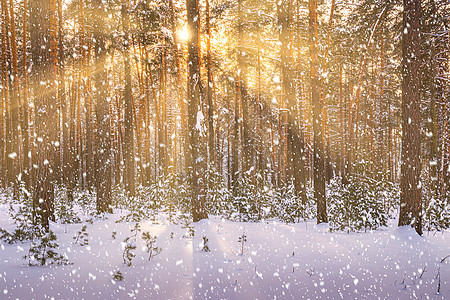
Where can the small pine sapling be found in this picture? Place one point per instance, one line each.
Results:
(242, 240)
(85, 203)
(44, 253)
(64, 208)
(25, 229)
(118, 276)
(128, 252)
(130, 246)
(114, 234)
(311, 272)
(190, 232)
(150, 245)
(205, 244)
(438, 278)
(82, 236)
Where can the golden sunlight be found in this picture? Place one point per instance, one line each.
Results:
(183, 33)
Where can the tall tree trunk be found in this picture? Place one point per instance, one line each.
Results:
(235, 144)
(229, 173)
(384, 155)
(341, 157)
(178, 83)
(433, 125)
(66, 160)
(9, 136)
(73, 169)
(3, 101)
(103, 151)
(261, 160)
(14, 156)
(209, 93)
(242, 81)
(410, 185)
(317, 106)
(44, 75)
(195, 115)
(88, 150)
(128, 142)
(326, 134)
(25, 115)
(295, 141)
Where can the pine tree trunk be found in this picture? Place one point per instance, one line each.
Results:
(410, 195)
(9, 95)
(209, 93)
(24, 107)
(341, 157)
(317, 106)
(3, 101)
(325, 130)
(242, 81)
(14, 155)
(66, 161)
(235, 139)
(295, 141)
(128, 142)
(88, 149)
(178, 82)
(44, 71)
(196, 161)
(103, 149)
(433, 125)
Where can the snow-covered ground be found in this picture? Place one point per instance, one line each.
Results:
(280, 261)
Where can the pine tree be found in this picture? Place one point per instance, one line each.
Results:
(128, 141)
(195, 122)
(103, 145)
(43, 76)
(410, 185)
(319, 157)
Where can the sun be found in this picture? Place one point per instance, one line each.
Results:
(183, 33)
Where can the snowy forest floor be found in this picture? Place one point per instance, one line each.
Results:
(279, 261)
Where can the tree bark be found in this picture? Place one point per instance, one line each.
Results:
(103, 145)
(195, 123)
(295, 140)
(44, 76)
(319, 158)
(14, 156)
(209, 94)
(128, 142)
(410, 185)
(25, 111)
(242, 81)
